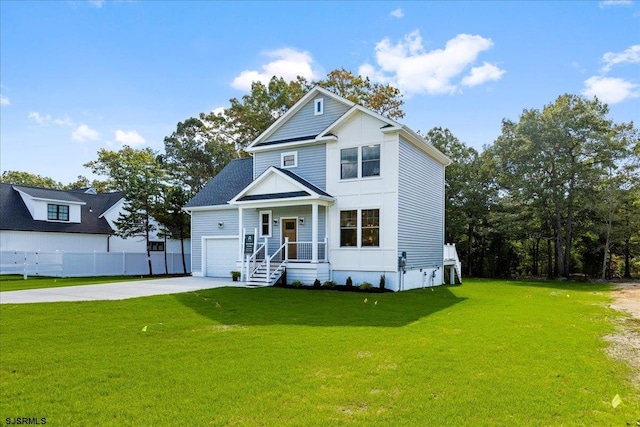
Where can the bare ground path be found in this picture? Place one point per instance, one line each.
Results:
(625, 342)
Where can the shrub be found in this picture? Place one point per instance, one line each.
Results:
(365, 286)
(296, 283)
(235, 275)
(383, 279)
(329, 284)
(316, 283)
(349, 282)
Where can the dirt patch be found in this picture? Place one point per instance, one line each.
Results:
(625, 342)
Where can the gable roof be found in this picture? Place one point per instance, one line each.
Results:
(275, 184)
(314, 92)
(14, 214)
(231, 180)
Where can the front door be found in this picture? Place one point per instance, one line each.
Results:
(290, 230)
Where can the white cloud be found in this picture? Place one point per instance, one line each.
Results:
(397, 13)
(97, 3)
(288, 64)
(607, 3)
(130, 138)
(4, 100)
(39, 119)
(609, 89)
(479, 75)
(83, 133)
(629, 56)
(411, 69)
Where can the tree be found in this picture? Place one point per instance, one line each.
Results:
(468, 193)
(174, 221)
(195, 153)
(550, 161)
(140, 177)
(30, 179)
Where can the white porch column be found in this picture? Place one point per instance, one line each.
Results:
(314, 232)
(240, 234)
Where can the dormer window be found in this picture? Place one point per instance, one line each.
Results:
(318, 106)
(57, 212)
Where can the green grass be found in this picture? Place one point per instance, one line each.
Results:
(17, 283)
(485, 353)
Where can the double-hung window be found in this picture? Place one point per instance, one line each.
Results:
(289, 160)
(360, 228)
(265, 223)
(349, 163)
(360, 162)
(57, 212)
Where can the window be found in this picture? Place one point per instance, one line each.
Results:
(349, 163)
(348, 228)
(371, 160)
(289, 160)
(156, 246)
(265, 223)
(58, 213)
(370, 227)
(318, 106)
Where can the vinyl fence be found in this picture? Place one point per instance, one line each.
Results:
(77, 264)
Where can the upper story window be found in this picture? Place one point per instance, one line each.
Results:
(289, 160)
(265, 223)
(359, 162)
(349, 163)
(57, 212)
(318, 106)
(371, 160)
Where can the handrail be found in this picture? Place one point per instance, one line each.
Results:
(253, 260)
(277, 255)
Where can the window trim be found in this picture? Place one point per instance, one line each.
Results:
(57, 212)
(270, 223)
(357, 163)
(318, 102)
(359, 228)
(295, 159)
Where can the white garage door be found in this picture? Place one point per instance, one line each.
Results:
(221, 256)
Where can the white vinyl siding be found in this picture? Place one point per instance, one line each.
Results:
(420, 207)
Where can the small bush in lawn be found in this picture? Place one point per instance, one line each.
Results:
(365, 286)
(329, 284)
(349, 282)
(383, 279)
(316, 283)
(296, 283)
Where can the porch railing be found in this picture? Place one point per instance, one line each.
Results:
(256, 260)
(303, 251)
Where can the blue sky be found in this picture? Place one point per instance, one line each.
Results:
(77, 76)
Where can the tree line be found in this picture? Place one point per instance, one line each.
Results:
(557, 193)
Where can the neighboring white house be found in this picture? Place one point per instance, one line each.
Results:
(355, 194)
(42, 220)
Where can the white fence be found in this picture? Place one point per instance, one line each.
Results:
(77, 264)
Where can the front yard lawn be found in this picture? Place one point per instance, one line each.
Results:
(484, 353)
(17, 283)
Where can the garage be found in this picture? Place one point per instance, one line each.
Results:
(221, 256)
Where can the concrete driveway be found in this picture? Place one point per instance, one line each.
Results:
(115, 291)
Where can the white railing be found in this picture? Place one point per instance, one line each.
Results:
(256, 260)
(304, 250)
(451, 258)
(86, 264)
(279, 258)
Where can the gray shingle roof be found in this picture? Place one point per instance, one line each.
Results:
(304, 182)
(225, 185)
(14, 215)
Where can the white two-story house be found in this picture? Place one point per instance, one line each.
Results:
(332, 190)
